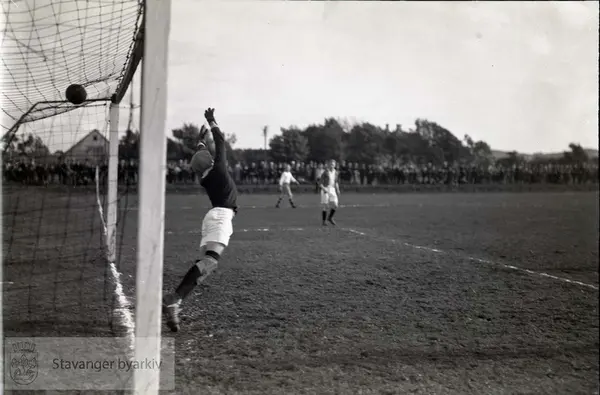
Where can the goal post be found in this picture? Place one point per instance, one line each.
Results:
(153, 155)
(62, 262)
(112, 182)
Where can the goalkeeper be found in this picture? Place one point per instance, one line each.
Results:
(217, 226)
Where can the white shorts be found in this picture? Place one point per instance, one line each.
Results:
(329, 197)
(286, 190)
(217, 226)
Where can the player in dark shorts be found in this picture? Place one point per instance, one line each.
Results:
(217, 226)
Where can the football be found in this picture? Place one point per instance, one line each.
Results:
(76, 94)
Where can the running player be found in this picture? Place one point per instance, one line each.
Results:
(284, 186)
(330, 190)
(217, 226)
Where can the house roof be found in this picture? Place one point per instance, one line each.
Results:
(84, 138)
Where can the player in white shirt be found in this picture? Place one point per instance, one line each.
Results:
(284, 186)
(330, 190)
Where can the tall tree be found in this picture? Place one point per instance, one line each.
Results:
(576, 155)
(9, 143)
(188, 135)
(35, 147)
(28, 145)
(480, 153)
(325, 141)
(395, 146)
(291, 145)
(177, 151)
(129, 145)
(511, 159)
(230, 140)
(364, 144)
(415, 148)
(445, 146)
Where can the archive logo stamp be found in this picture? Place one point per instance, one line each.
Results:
(23, 362)
(87, 364)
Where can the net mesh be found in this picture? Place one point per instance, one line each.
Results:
(56, 276)
(54, 250)
(48, 45)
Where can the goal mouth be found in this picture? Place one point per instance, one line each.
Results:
(56, 252)
(74, 262)
(55, 157)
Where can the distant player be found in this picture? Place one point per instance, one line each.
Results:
(284, 186)
(217, 226)
(330, 190)
(318, 173)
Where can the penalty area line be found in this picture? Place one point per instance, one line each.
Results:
(243, 230)
(479, 260)
(258, 207)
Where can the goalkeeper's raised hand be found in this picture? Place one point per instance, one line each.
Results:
(209, 114)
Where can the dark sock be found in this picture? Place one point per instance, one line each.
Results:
(324, 215)
(331, 213)
(291, 202)
(190, 280)
(278, 201)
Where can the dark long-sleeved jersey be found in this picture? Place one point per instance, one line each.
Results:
(218, 183)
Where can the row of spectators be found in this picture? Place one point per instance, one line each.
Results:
(77, 173)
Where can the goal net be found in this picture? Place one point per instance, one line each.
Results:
(60, 276)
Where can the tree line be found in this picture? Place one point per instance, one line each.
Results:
(364, 143)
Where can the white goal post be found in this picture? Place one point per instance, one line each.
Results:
(152, 173)
(34, 93)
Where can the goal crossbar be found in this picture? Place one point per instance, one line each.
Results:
(132, 65)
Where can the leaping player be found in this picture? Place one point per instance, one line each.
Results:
(330, 190)
(284, 186)
(210, 163)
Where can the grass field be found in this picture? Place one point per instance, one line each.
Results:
(426, 294)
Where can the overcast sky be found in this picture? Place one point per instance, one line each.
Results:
(520, 76)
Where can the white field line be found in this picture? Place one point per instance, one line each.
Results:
(417, 247)
(398, 204)
(122, 312)
(244, 230)
(478, 260)
(184, 208)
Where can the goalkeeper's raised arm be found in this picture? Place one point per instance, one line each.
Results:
(218, 137)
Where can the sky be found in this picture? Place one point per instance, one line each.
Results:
(520, 76)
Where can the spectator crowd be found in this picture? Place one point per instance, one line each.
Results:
(425, 154)
(72, 173)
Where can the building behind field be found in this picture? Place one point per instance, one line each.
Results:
(93, 149)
